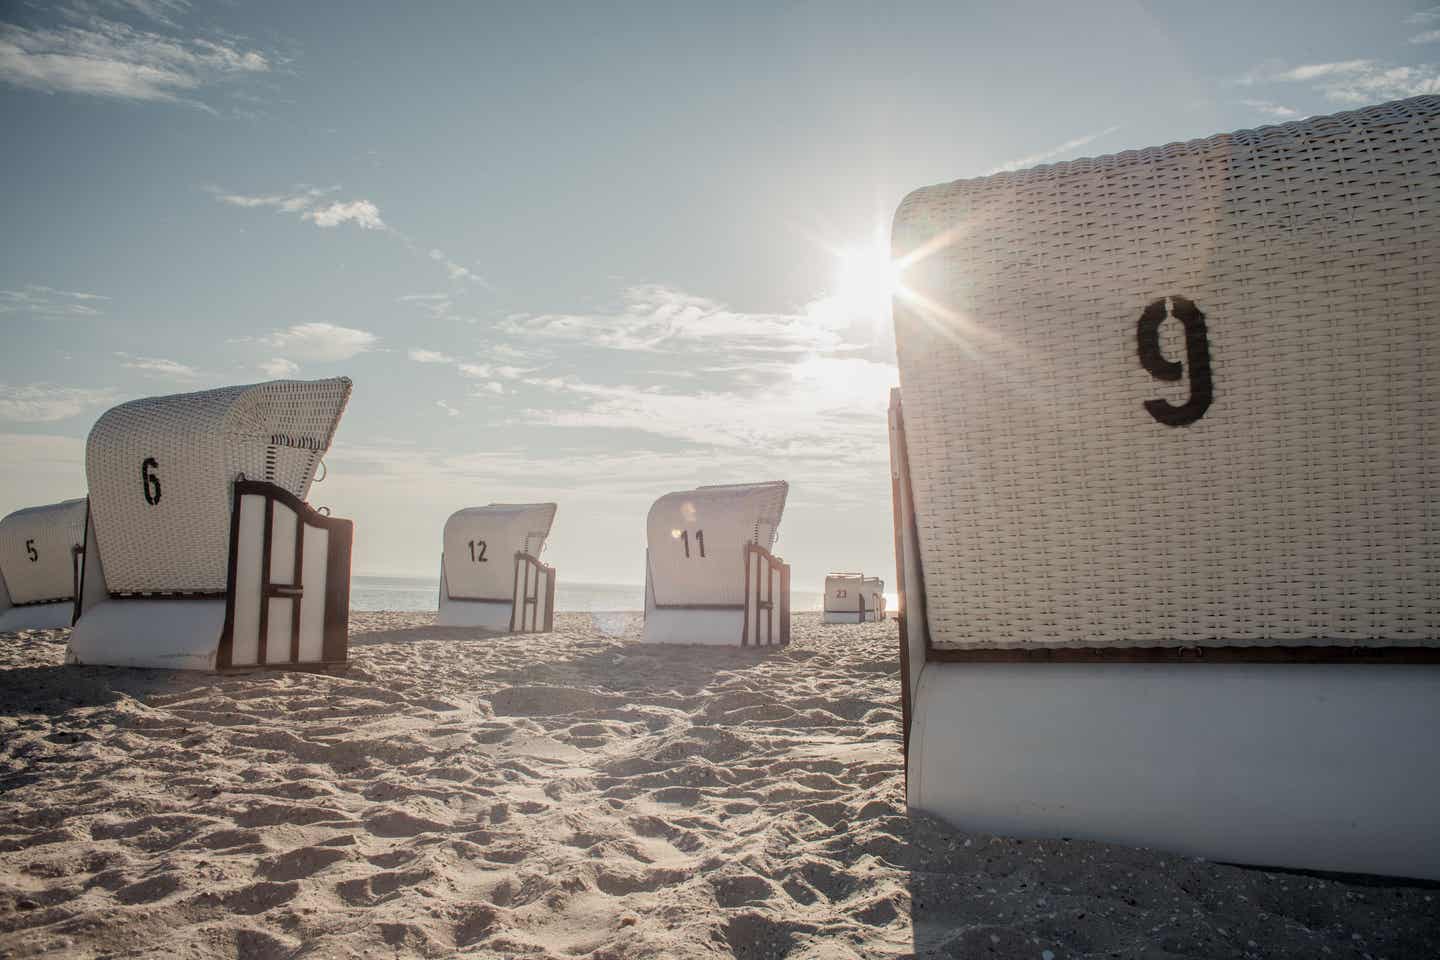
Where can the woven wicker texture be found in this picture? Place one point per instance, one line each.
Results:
(697, 540)
(160, 473)
(37, 551)
(480, 544)
(1055, 508)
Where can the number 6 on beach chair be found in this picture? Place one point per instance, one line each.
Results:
(490, 570)
(40, 550)
(709, 574)
(200, 551)
(1166, 486)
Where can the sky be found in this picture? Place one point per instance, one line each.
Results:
(566, 253)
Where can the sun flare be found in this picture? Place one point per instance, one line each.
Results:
(866, 278)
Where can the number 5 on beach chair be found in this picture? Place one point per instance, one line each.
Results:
(200, 551)
(40, 551)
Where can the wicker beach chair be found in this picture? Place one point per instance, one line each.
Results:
(874, 598)
(40, 550)
(846, 598)
(710, 577)
(201, 552)
(490, 570)
(1167, 495)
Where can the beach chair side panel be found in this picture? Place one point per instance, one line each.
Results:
(289, 583)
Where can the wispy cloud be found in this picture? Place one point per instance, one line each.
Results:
(456, 271)
(310, 204)
(820, 406)
(1275, 110)
(40, 301)
(451, 411)
(653, 317)
(161, 11)
(1052, 153)
(362, 213)
(278, 368)
(47, 402)
(1425, 18)
(322, 342)
(1352, 82)
(438, 306)
(420, 355)
(158, 368)
(313, 204)
(98, 56)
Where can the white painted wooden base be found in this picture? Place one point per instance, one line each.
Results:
(37, 616)
(1316, 766)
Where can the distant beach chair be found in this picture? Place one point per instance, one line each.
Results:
(709, 574)
(40, 550)
(201, 552)
(847, 598)
(1166, 478)
(490, 570)
(875, 598)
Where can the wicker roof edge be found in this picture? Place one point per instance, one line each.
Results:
(783, 485)
(1347, 119)
(41, 508)
(549, 520)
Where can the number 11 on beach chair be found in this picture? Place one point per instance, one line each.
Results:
(710, 577)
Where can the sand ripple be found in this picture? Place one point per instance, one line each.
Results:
(567, 795)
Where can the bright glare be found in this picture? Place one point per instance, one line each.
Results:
(866, 279)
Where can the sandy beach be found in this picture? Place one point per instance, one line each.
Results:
(574, 794)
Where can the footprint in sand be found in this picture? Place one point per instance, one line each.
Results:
(149, 891)
(259, 897)
(301, 863)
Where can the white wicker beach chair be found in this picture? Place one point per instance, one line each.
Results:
(40, 550)
(874, 598)
(490, 570)
(846, 598)
(201, 552)
(709, 574)
(1167, 495)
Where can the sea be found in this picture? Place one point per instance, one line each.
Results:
(421, 593)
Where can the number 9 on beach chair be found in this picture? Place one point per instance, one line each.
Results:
(40, 550)
(1166, 478)
(709, 574)
(490, 570)
(201, 552)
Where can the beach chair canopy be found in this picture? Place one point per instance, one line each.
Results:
(1182, 395)
(161, 472)
(38, 551)
(697, 540)
(480, 544)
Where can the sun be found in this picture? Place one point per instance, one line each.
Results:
(866, 278)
